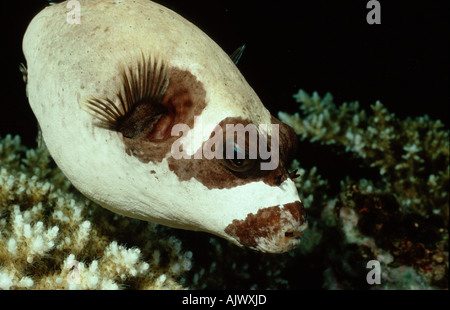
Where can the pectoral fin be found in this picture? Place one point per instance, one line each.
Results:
(139, 108)
(237, 54)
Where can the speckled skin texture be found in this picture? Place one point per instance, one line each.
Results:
(69, 63)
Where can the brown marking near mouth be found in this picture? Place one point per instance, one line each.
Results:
(297, 211)
(214, 174)
(268, 223)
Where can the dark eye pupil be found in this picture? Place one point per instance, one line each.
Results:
(238, 162)
(236, 158)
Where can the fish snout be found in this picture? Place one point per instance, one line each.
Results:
(274, 229)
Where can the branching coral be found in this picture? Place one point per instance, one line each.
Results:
(51, 237)
(400, 219)
(412, 155)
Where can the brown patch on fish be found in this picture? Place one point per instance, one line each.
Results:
(297, 211)
(213, 173)
(184, 98)
(152, 98)
(271, 224)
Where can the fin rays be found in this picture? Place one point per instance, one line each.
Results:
(145, 82)
(237, 54)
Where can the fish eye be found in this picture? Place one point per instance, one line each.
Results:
(238, 164)
(240, 161)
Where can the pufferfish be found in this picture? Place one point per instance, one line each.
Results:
(108, 92)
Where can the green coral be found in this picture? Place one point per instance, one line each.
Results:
(400, 217)
(53, 237)
(411, 155)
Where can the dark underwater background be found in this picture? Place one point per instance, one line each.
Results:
(323, 46)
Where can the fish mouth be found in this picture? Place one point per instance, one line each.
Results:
(276, 229)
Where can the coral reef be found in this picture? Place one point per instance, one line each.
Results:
(412, 155)
(399, 216)
(53, 237)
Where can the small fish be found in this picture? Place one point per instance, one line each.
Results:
(151, 119)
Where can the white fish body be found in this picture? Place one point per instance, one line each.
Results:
(124, 162)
